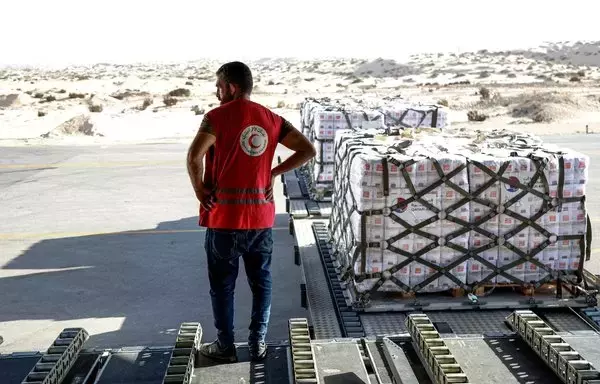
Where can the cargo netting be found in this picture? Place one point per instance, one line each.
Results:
(322, 118)
(429, 212)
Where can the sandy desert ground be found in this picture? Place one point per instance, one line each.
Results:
(554, 89)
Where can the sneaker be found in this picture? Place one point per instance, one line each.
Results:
(258, 351)
(215, 351)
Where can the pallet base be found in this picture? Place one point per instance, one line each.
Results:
(452, 292)
(527, 290)
(545, 289)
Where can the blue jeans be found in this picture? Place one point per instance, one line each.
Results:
(223, 250)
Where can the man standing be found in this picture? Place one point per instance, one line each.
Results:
(237, 140)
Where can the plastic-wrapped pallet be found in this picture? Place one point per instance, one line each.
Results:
(531, 216)
(439, 212)
(322, 119)
(406, 115)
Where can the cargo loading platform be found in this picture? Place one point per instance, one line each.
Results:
(501, 338)
(479, 347)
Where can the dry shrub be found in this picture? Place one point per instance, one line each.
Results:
(476, 116)
(443, 102)
(129, 93)
(366, 87)
(147, 102)
(197, 110)
(484, 93)
(281, 104)
(180, 92)
(169, 101)
(95, 108)
(76, 95)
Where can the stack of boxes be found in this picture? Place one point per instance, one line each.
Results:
(320, 120)
(371, 227)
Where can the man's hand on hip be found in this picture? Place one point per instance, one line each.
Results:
(269, 191)
(206, 198)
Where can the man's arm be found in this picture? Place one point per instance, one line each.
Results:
(204, 139)
(293, 139)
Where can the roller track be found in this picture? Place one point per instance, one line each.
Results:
(441, 364)
(350, 323)
(54, 365)
(181, 364)
(303, 359)
(567, 363)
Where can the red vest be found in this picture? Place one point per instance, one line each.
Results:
(239, 165)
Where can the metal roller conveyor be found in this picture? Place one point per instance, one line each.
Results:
(441, 364)
(181, 364)
(568, 364)
(54, 365)
(303, 359)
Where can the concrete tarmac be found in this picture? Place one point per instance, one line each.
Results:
(106, 238)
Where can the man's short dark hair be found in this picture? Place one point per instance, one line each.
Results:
(238, 73)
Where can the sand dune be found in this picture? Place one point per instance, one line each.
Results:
(78, 125)
(549, 89)
(574, 53)
(14, 100)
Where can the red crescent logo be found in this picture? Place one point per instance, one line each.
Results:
(252, 136)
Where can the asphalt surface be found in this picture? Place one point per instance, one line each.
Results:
(106, 238)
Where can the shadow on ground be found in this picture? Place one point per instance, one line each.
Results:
(148, 284)
(521, 361)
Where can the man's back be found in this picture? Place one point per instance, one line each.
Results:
(238, 142)
(239, 165)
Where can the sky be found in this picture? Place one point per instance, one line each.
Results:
(63, 32)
